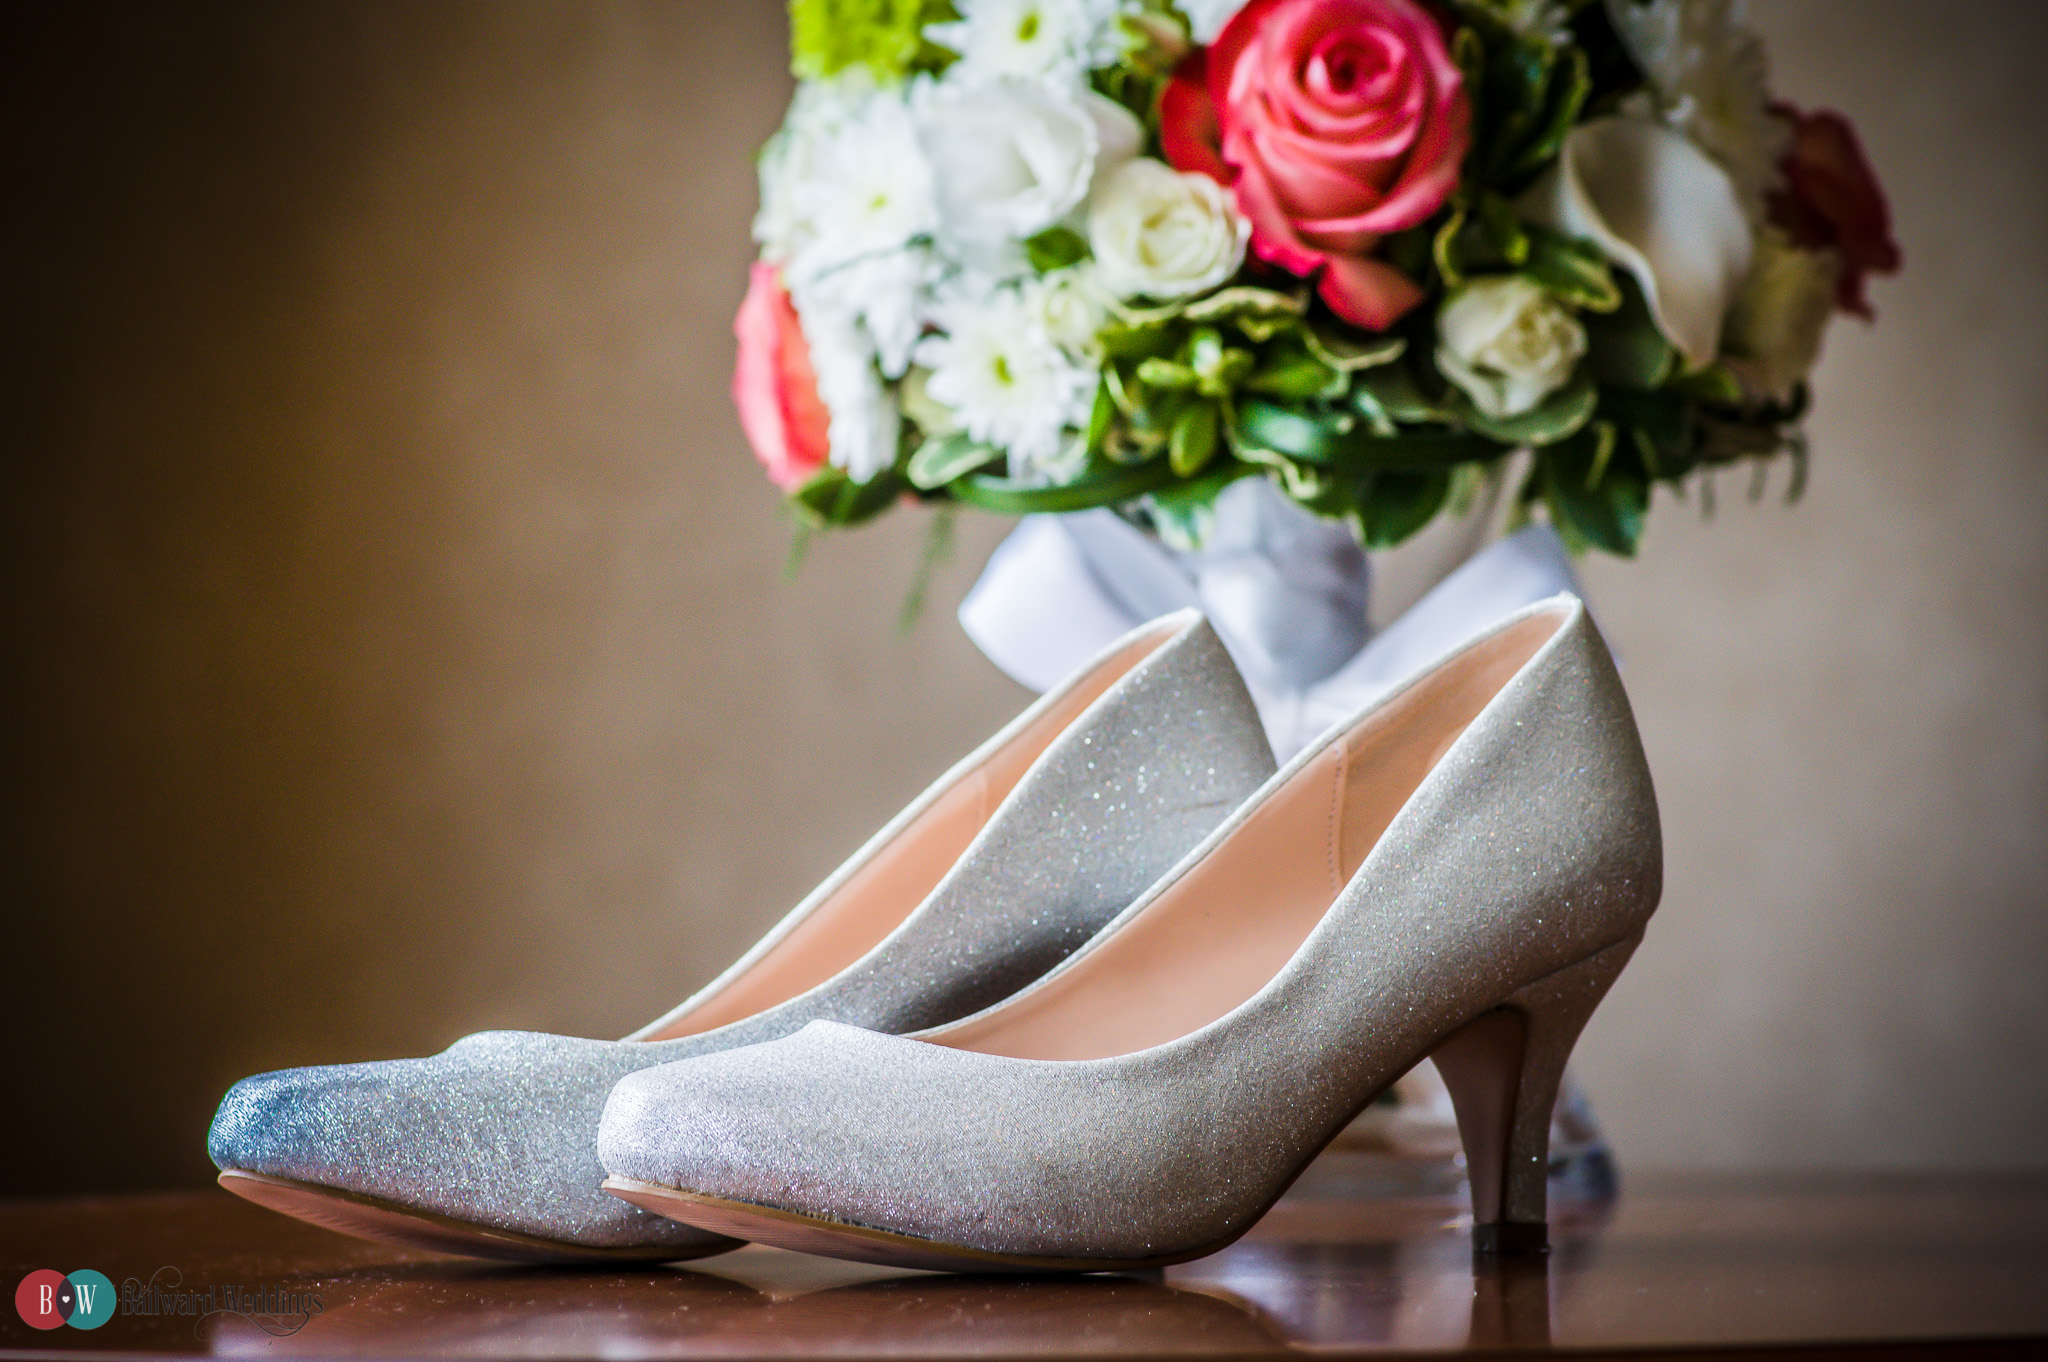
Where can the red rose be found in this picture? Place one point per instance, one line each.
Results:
(773, 385)
(1831, 200)
(1334, 122)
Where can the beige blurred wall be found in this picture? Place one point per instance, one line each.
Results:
(402, 644)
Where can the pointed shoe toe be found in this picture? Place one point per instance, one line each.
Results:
(457, 1152)
(1002, 867)
(1459, 871)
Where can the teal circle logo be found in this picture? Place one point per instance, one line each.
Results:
(92, 1299)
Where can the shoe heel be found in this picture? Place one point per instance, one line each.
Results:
(1502, 1070)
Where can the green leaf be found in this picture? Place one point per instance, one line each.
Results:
(832, 498)
(1505, 236)
(1166, 374)
(1395, 392)
(1556, 417)
(1624, 348)
(1338, 441)
(1349, 353)
(1570, 84)
(1142, 341)
(1296, 376)
(1101, 414)
(1106, 485)
(1193, 442)
(1244, 301)
(1444, 247)
(1573, 270)
(1397, 503)
(938, 462)
(1055, 248)
(1713, 384)
(1663, 420)
(1594, 495)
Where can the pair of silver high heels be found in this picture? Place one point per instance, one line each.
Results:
(1091, 1002)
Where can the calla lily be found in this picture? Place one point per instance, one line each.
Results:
(1660, 208)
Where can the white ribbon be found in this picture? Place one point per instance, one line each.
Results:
(1287, 594)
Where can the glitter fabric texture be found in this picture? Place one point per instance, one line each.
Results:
(499, 1129)
(1532, 845)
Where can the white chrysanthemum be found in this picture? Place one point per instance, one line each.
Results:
(1007, 380)
(865, 422)
(1011, 157)
(867, 187)
(1711, 81)
(888, 293)
(1060, 39)
(791, 159)
(1207, 17)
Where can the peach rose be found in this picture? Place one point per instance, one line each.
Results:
(774, 386)
(1335, 123)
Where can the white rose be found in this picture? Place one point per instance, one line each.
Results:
(1774, 329)
(1163, 234)
(1507, 343)
(1010, 157)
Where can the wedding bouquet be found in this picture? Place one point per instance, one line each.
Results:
(1049, 255)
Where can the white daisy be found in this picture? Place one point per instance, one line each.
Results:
(1060, 39)
(1009, 382)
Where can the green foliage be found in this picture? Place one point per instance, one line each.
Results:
(1396, 503)
(1572, 270)
(832, 498)
(937, 462)
(885, 36)
(1609, 68)
(1624, 347)
(1055, 248)
(1596, 491)
(1152, 37)
(1525, 94)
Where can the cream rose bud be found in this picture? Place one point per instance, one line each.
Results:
(1159, 233)
(1773, 332)
(1507, 343)
(1074, 307)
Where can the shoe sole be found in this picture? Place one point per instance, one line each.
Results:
(837, 1239)
(386, 1222)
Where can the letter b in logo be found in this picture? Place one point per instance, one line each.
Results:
(46, 1299)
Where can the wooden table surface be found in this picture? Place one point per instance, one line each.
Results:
(1899, 1267)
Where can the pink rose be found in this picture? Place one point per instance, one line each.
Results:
(773, 384)
(1335, 123)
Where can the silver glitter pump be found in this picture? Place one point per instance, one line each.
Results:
(497, 1133)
